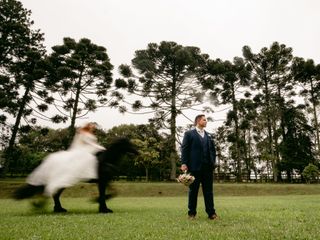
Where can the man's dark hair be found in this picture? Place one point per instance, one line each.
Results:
(198, 117)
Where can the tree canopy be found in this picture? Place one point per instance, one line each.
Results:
(81, 73)
(166, 77)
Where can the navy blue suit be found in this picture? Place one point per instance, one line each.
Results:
(199, 154)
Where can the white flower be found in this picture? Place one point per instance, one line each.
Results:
(185, 178)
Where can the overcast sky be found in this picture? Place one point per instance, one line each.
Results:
(219, 28)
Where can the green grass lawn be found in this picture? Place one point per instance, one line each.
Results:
(240, 217)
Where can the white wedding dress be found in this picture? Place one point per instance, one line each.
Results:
(66, 168)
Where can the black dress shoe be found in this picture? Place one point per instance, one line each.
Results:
(105, 210)
(213, 216)
(191, 216)
(59, 210)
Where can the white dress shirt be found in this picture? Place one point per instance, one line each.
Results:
(200, 131)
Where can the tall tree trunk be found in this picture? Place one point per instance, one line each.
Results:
(276, 154)
(247, 153)
(282, 126)
(269, 126)
(237, 133)
(75, 107)
(10, 160)
(18, 118)
(173, 154)
(316, 126)
(173, 125)
(252, 166)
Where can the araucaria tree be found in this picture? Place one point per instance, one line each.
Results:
(271, 79)
(307, 74)
(21, 67)
(226, 81)
(82, 75)
(165, 78)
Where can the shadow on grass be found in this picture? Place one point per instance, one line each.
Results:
(50, 213)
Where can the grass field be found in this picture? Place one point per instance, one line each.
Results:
(294, 214)
(167, 189)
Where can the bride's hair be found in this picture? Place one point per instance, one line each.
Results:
(89, 127)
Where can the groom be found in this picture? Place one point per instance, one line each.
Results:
(198, 156)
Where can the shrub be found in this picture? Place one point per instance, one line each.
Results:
(311, 173)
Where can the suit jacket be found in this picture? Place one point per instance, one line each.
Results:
(192, 150)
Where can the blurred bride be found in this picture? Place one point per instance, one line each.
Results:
(66, 168)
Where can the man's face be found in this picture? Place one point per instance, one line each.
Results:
(202, 122)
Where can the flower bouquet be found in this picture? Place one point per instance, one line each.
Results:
(185, 178)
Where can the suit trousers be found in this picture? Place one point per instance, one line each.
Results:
(204, 177)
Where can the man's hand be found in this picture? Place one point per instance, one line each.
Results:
(184, 167)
